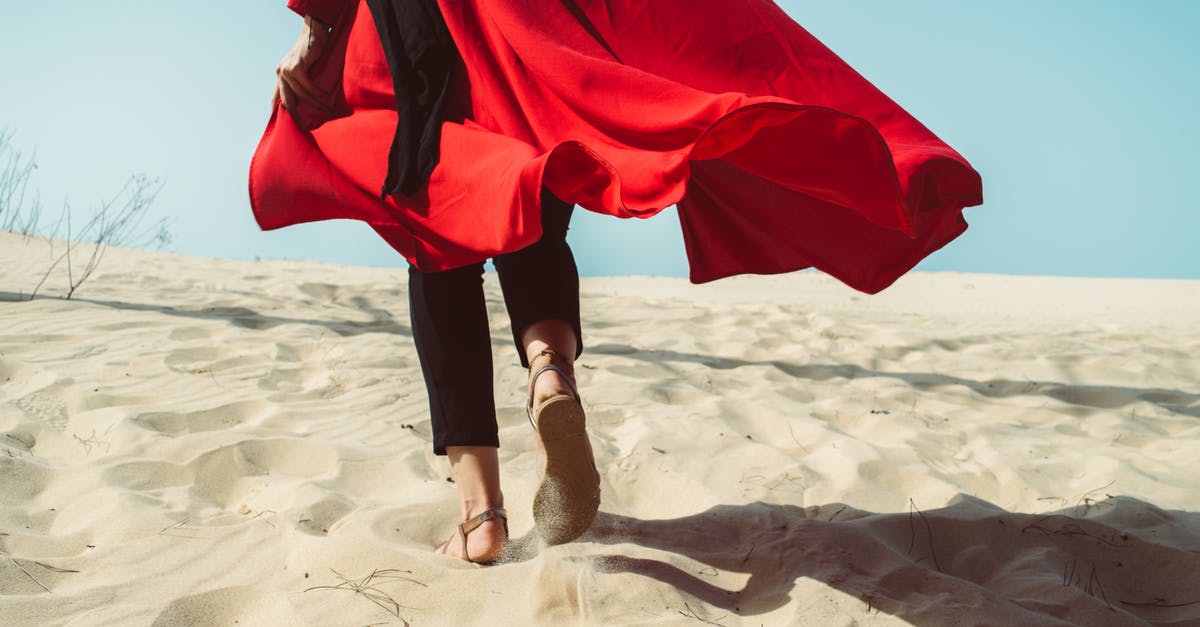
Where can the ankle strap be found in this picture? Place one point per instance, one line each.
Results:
(552, 355)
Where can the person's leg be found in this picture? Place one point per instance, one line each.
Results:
(477, 477)
(453, 340)
(454, 345)
(541, 292)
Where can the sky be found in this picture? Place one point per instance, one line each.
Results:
(1083, 117)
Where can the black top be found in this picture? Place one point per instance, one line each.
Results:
(421, 56)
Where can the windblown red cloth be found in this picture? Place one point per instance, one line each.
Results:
(778, 155)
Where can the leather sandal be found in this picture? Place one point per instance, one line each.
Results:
(467, 526)
(569, 495)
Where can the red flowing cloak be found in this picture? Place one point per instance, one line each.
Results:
(777, 154)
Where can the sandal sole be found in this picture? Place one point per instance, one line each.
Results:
(569, 496)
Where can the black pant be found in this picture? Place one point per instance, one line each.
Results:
(450, 326)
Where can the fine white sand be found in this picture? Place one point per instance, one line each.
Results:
(195, 441)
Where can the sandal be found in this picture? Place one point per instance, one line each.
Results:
(569, 495)
(473, 523)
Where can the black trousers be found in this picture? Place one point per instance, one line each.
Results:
(450, 326)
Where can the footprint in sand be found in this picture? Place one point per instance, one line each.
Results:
(189, 359)
(318, 518)
(148, 476)
(321, 291)
(23, 479)
(239, 605)
(50, 409)
(228, 476)
(190, 333)
(18, 378)
(216, 418)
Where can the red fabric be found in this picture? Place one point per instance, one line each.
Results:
(328, 11)
(778, 155)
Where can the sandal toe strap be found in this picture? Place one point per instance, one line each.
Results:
(467, 526)
(473, 523)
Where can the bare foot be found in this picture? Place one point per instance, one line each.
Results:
(477, 475)
(485, 543)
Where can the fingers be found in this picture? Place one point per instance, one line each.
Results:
(303, 86)
(293, 84)
(294, 91)
(286, 96)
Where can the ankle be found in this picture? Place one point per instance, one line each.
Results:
(473, 506)
(550, 356)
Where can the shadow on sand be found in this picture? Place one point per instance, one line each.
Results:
(1118, 561)
(381, 321)
(1087, 396)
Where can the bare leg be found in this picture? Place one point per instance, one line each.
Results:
(569, 494)
(477, 468)
(477, 475)
(559, 337)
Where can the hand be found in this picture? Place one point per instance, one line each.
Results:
(293, 84)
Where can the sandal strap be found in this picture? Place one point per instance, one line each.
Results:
(552, 355)
(467, 526)
(568, 376)
(533, 378)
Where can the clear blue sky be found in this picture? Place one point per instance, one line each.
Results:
(1082, 115)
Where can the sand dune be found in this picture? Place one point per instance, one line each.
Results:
(197, 441)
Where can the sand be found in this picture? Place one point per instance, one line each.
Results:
(198, 441)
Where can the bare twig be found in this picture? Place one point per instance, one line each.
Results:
(260, 516)
(90, 442)
(690, 613)
(117, 222)
(1072, 528)
(1068, 575)
(1087, 502)
(27, 445)
(370, 590)
(1159, 602)
(173, 526)
(27, 573)
(1094, 584)
(18, 213)
(114, 222)
(55, 569)
(928, 533)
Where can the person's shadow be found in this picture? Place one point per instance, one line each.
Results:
(1117, 561)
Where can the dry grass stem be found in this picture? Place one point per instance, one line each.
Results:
(1072, 528)
(690, 613)
(928, 533)
(28, 574)
(174, 525)
(1159, 602)
(368, 588)
(90, 442)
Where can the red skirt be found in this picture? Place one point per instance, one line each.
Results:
(777, 154)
